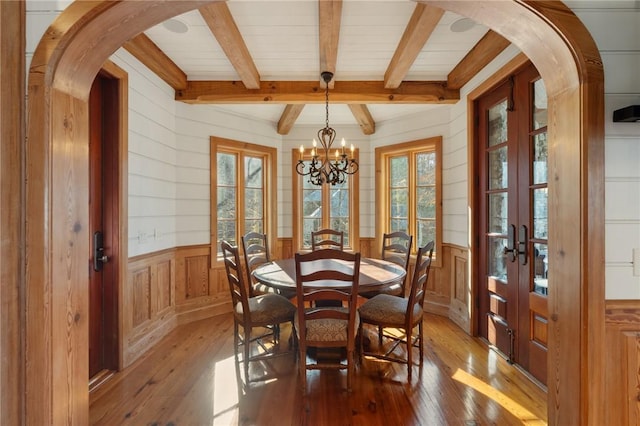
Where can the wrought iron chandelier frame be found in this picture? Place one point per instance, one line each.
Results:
(322, 169)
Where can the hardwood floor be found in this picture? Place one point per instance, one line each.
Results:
(190, 378)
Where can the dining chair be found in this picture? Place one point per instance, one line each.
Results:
(255, 248)
(327, 239)
(327, 326)
(396, 248)
(388, 311)
(266, 311)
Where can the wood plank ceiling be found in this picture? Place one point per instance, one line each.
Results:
(431, 61)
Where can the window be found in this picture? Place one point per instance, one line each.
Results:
(242, 190)
(326, 206)
(408, 190)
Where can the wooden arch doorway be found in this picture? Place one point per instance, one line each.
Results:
(87, 33)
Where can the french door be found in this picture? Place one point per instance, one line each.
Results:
(512, 224)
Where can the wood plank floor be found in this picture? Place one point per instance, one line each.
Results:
(191, 378)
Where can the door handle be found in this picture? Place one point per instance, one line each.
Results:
(522, 244)
(99, 258)
(510, 250)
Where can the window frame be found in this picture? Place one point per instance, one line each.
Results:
(383, 155)
(354, 205)
(270, 212)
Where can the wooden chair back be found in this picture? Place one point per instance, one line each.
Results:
(237, 287)
(327, 239)
(316, 273)
(419, 279)
(396, 248)
(255, 247)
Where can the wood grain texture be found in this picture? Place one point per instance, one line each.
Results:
(423, 21)
(156, 60)
(363, 117)
(218, 17)
(191, 378)
(12, 120)
(308, 92)
(622, 332)
(457, 267)
(63, 67)
(486, 50)
(289, 117)
(329, 16)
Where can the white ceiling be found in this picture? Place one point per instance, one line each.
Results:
(282, 38)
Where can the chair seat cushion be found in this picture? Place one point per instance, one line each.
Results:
(327, 329)
(388, 310)
(269, 309)
(394, 290)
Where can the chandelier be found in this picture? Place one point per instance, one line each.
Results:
(322, 169)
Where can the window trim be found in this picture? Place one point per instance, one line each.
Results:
(270, 207)
(382, 155)
(354, 205)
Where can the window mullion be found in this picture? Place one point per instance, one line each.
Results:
(413, 195)
(240, 218)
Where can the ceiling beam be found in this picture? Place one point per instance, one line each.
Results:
(482, 53)
(289, 117)
(147, 52)
(218, 17)
(424, 20)
(296, 92)
(364, 118)
(330, 15)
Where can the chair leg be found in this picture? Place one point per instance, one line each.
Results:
(420, 338)
(236, 340)
(302, 366)
(247, 346)
(349, 369)
(361, 338)
(276, 333)
(409, 352)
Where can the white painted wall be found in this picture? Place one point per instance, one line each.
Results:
(616, 31)
(169, 148)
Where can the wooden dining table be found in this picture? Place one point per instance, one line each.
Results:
(375, 274)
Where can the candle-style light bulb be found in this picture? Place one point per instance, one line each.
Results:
(301, 152)
(352, 149)
(337, 154)
(313, 150)
(343, 144)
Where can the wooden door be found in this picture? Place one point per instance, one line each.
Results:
(512, 225)
(104, 224)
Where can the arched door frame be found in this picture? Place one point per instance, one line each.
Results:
(56, 260)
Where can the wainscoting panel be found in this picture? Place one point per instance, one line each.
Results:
(141, 289)
(167, 288)
(148, 309)
(201, 292)
(284, 249)
(622, 350)
(458, 265)
(166, 295)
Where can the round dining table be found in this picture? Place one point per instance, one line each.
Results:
(375, 274)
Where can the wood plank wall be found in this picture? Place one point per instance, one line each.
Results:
(622, 351)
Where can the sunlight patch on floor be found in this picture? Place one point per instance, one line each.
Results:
(225, 392)
(507, 403)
